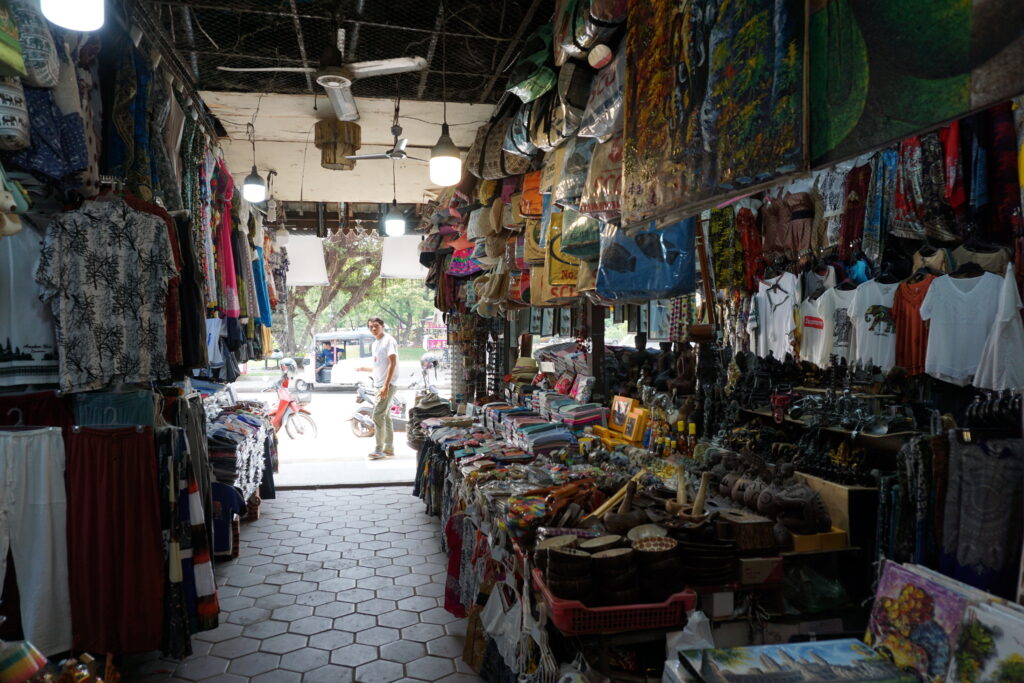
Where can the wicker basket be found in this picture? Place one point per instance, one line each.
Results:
(336, 140)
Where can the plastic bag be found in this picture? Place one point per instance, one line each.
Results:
(569, 188)
(653, 262)
(532, 75)
(603, 115)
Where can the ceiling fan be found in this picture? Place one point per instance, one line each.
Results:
(336, 77)
(397, 151)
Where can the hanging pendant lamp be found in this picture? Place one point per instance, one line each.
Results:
(445, 159)
(394, 220)
(74, 15)
(254, 189)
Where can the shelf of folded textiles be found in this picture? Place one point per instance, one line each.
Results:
(891, 441)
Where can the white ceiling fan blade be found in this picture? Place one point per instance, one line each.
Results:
(343, 103)
(289, 69)
(384, 67)
(417, 159)
(362, 157)
(401, 144)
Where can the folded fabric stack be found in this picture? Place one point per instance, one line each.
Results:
(236, 442)
(578, 416)
(428, 406)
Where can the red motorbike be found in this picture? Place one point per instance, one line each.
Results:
(290, 413)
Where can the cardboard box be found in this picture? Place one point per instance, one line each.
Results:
(837, 539)
(853, 508)
(760, 570)
(719, 605)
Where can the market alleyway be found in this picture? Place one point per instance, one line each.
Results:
(332, 586)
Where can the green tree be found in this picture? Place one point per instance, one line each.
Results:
(403, 304)
(353, 266)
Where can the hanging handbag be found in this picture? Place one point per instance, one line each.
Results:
(602, 195)
(14, 125)
(582, 24)
(11, 61)
(532, 203)
(532, 76)
(42, 65)
(533, 252)
(487, 158)
(581, 236)
(517, 139)
(602, 116)
(560, 268)
(569, 188)
(574, 79)
(656, 261)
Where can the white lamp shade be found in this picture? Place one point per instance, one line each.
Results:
(75, 15)
(445, 162)
(445, 171)
(394, 227)
(254, 190)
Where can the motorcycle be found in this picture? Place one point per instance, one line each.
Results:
(290, 413)
(362, 419)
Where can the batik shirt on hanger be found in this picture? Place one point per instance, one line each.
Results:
(104, 270)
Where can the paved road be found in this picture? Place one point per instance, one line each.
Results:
(336, 455)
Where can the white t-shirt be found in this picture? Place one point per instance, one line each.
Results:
(1002, 361)
(874, 325)
(382, 349)
(777, 300)
(962, 312)
(834, 308)
(28, 346)
(815, 338)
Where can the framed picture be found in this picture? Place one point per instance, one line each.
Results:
(641, 315)
(547, 327)
(659, 329)
(536, 318)
(621, 407)
(565, 321)
(636, 422)
(618, 314)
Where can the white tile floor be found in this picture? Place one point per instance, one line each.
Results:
(332, 586)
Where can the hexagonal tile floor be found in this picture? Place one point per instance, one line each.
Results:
(332, 586)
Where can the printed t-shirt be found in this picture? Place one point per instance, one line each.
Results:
(815, 338)
(383, 348)
(777, 301)
(911, 330)
(962, 312)
(834, 309)
(873, 324)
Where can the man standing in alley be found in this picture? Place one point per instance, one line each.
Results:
(385, 372)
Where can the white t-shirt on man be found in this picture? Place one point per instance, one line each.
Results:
(382, 349)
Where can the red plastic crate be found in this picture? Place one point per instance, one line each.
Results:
(573, 618)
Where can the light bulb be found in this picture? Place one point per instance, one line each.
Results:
(75, 15)
(254, 190)
(445, 162)
(394, 221)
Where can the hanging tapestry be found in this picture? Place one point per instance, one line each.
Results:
(714, 100)
(882, 70)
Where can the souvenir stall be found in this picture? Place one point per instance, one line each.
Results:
(825, 387)
(129, 266)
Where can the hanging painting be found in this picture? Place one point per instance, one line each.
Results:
(882, 70)
(714, 100)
